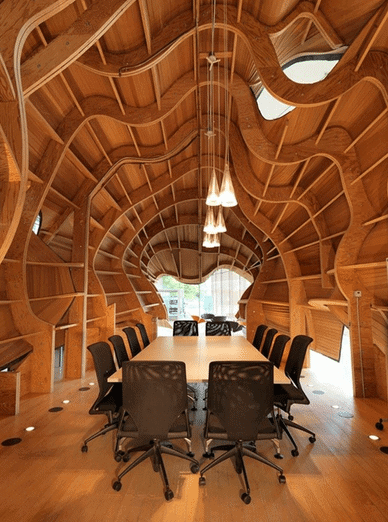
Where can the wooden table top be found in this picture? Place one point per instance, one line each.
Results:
(198, 352)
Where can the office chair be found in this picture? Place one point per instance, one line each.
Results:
(240, 409)
(207, 317)
(219, 318)
(285, 395)
(259, 335)
(109, 398)
(154, 410)
(217, 328)
(277, 351)
(185, 328)
(235, 327)
(133, 341)
(267, 343)
(143, 333)
(119, 348)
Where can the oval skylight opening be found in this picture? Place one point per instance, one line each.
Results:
(302, 70)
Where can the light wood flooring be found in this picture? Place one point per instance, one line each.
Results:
(46, 478)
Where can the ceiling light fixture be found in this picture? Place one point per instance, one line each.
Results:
(223, 196)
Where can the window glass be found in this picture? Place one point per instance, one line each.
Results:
(308, 69)
(38, 222)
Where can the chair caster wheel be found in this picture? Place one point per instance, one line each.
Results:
(84, 448)
(190, 454)
(379, 426)
(117, 486)
(294, 452)
(118, 456)
(291, 417)
(193, 408)
(208, 455)
(246, 498)
(312, 439)
(282, 479)
(126, 457)
(194, 468)
(278, 456)
(168, 494)
(202, 481)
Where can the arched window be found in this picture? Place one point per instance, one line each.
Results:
(305, 69)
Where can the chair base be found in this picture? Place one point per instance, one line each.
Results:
(154, 451)
(108, 427)
(285, 423)
(238, 451)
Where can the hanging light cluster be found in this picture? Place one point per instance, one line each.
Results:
(216, 197)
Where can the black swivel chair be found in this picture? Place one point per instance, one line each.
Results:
(109, 398)
(259, 334)
(207, 317)
(235, 327)
(133, 341)
(267, 343)
(285, 395)
(219, 318)
(143, 333)
(277, 351)
(185, 328)
(154, 410)
(218, 328)
(240, 409)
(119, 348)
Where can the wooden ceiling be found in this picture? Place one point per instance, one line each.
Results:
(104, 127)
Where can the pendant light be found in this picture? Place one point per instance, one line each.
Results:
(213, 195)
(220, 222)
(210, 224)
(227, 195)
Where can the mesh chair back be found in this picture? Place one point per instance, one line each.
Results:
(268, 341)
(241, 396)
(218, 328)
(143, 333)
(154, 395)
(133, 341)
(104, 366)
(185, 328)
(295, 358)
(119, 348)
(278, 349)
(259, 335)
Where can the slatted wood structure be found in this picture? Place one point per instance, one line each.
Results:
(104, 131)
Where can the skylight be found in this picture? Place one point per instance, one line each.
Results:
(304, 70)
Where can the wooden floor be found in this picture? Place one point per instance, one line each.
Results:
(340, 478)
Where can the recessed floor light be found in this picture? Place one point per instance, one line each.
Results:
(345, 414)
(374, 437)
(91, 384)
(335, 406)
(66, 401)
(30, 428)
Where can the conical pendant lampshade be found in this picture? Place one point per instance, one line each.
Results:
(220, 223)
(213, 195)
(210, 224)
(227, 195)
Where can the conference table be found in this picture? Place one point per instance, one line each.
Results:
(198, 352)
